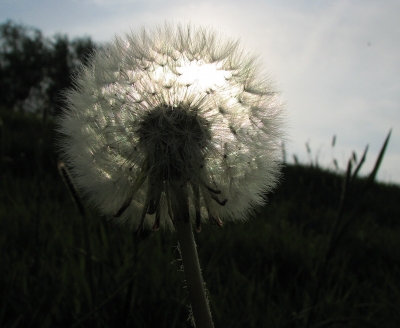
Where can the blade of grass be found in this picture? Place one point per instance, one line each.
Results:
(331, 245)
(364, 156)
(378, 162)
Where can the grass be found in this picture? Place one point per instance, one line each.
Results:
(261, 273)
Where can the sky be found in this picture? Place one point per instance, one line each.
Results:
(337, 63)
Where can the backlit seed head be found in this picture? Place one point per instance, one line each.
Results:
(173, 121)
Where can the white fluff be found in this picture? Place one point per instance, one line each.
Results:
(168, 108)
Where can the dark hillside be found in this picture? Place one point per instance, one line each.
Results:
(295, 263)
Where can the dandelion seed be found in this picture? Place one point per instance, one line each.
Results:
(174, 126)
(173, 113)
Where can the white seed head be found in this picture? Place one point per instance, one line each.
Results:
(173, 114)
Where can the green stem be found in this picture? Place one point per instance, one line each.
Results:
(200, 308)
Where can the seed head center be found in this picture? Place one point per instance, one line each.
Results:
(174, 141)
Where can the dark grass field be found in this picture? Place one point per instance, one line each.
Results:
(299, 261)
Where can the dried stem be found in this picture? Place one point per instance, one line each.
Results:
(197, 295)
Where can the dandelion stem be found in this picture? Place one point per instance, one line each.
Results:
(197, 295)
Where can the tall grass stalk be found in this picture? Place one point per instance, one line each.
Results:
(339, 227)
(66, 177)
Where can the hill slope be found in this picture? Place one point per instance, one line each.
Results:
(295, 254)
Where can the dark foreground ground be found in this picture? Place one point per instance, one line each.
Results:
(295, 263)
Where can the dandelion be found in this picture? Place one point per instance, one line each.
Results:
(174, 108)
(173, 125)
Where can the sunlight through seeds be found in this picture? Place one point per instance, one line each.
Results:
(168, 109)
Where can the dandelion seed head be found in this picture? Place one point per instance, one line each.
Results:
(173, 108)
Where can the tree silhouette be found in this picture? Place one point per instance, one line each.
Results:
(23, 53)
(34, 69)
